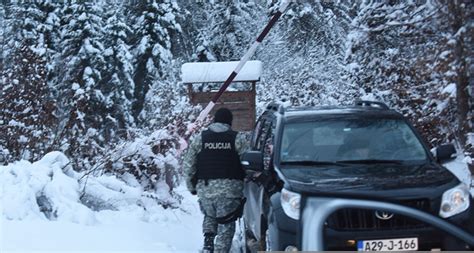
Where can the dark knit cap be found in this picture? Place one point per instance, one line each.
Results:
(223, 115)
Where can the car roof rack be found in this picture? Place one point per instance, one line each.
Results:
(380, 105)
(276, 107)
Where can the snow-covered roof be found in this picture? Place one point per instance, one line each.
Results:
(210, 72)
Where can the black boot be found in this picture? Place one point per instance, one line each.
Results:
(208, 243)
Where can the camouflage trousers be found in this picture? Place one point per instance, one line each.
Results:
(219, 207)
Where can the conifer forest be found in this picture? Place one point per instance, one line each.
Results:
(100, 81)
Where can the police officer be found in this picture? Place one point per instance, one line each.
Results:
(213, 171)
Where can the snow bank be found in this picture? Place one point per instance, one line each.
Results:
(46, 206)
(117, 231)
(50, 189)
(42, 190)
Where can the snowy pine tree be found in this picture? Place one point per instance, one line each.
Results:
(2, 37)
(11, 38)
(305, 52)
(2, 46)
(48, 39)
(399, 52)
(83, 104)
(225, 30)
(117, 83)
(153, 24)
(93, 79)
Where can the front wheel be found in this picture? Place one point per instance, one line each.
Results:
(249, 243)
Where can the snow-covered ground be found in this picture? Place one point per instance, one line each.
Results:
(120, 235)
(129, 222)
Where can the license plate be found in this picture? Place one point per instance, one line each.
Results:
(398, 244)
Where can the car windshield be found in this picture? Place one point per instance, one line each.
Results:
(350, 140)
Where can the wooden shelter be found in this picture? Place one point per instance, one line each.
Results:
(205, 78)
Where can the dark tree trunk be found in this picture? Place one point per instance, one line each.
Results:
(458, 13)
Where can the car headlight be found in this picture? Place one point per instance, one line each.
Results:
(454, 201)
(290, 201)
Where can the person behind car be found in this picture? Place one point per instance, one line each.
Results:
(355, 147)
(213, 172)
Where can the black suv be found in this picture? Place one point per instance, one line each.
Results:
(366, 151)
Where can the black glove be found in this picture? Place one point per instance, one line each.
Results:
(193, 192)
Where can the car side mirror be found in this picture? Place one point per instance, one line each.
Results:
(444, 153)
(252, 160)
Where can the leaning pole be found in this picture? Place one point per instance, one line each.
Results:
(243, 60)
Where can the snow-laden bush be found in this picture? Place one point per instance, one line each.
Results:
(151, 159)
(51, 189)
